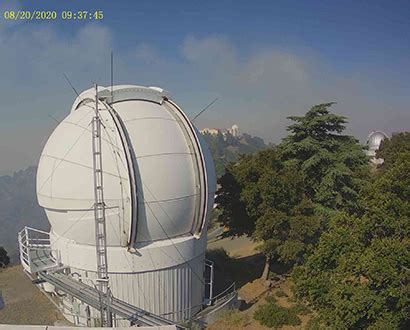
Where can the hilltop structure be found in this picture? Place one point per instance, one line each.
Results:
(234, 131)
(373, 142)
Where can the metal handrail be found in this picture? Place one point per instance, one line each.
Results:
(224, 293)
(210, 282)
(35, 230)
(29, 243)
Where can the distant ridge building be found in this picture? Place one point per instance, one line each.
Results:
(373, 142)
(212, 131)
(234, 131)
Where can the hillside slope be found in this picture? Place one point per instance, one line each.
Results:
(24, 302)
(19, 208)
(226, 148)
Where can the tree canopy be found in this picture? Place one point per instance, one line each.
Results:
(4, 258)
(264, 198)
(358, 275)
(275, 195)
(333, 165)
(390, 149)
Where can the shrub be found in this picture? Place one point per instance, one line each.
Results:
(301, 309)
(4, 258)
(281, 293)
(274, 316)
(314, 324)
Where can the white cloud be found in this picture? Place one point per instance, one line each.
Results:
(257, 88)
(260, 90)
(32, 86)
(210, 50)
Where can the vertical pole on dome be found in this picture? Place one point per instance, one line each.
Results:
(99, 218)
(112, 76)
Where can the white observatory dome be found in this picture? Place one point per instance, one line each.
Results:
(374, 140)
(159, 186)
(157, 172)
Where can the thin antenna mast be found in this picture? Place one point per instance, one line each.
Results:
(99, 217)
(112, 76)
(56, 120)
(204, 109)
(71, 85)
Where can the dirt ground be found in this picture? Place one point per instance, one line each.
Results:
(24, 302)
(254, 294)
(245, 268)
(237, 247)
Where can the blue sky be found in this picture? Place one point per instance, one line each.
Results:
(264, 60)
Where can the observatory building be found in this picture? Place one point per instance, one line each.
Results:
(159, 187)
(373, 142)
(234, 130)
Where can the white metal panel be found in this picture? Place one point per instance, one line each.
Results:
(147, 257)
(78, 225)
(166, 177)
(69, 185)
(152, 129)
(140, 110)
(175, 293)
(159, 220)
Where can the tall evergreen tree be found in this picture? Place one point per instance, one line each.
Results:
(333, 165)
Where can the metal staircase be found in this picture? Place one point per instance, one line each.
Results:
(92, 297)
(40, 260)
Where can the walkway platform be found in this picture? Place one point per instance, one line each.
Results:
(39, 259)
(92, 297)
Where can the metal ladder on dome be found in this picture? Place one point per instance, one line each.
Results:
(99, 217)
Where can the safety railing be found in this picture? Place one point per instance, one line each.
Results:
(224, 295)
(209, 281)
(36, 253)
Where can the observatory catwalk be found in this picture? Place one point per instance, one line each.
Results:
(158, 184)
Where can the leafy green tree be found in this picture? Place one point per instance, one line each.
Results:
(358, 275)
(333, 165)
(232, 210)
(4, 258)
(391, 148)
(263, 198)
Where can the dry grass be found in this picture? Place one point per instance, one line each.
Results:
(256, 292)
(24, 302)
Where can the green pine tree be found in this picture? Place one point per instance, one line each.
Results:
(334, 166)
